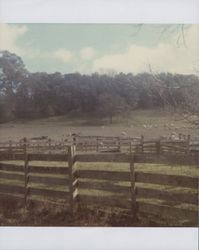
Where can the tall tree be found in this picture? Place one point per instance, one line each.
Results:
(110, 105)
(12, 75)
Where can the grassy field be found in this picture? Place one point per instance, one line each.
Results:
(150, 123)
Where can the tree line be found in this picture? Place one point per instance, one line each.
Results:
(34, 95)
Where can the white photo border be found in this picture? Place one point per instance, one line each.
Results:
(98, 11)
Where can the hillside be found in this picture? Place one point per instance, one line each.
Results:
(150, 123)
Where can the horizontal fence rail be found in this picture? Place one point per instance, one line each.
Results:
(180, 144)
(127, 189)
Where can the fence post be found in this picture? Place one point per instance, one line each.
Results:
(74, 140)
(158, 147)
(25, 172)
(10, 147)
(49, 145)
(119, 144)
(142, 144)
(132, 179)
(71, 152)
(130, 149)
(188, 144)
(97, 146)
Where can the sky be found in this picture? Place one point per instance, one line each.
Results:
(102, 48)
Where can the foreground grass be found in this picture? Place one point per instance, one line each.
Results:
(46, 214)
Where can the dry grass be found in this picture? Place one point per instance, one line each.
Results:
(160, 122)
(50, 214)
(46, 214)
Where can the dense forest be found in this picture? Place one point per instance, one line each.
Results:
(33, 95)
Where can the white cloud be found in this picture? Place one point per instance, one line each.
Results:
(164, 57)
(63, 55)
(87, 53)
(9, 34)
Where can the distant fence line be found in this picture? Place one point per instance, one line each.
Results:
(181, 145)
(76, 185)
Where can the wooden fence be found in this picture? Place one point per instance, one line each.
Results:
(127, 188)
(29, 180)
(181, 145)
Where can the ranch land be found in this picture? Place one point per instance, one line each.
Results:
(149, 123)
(102, 191)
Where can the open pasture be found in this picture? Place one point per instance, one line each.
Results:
(150, 124)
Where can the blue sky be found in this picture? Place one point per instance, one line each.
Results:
(89, 48)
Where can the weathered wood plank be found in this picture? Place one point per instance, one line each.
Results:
(153, 146)
(50, 170)
(189, 198)
(15, 189)
(177, 142)
(132, 177)
(11, 167)
(104, 175)
(71, 153)
(25, 173)
(48, 180)
(162, 179)
(167, 158)
(102, 157)
(146, 157)
(105, 186)
(49, 192)
(47, 157)
(174, 147)
(11, 176)
(14, 156)
(13, 148)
